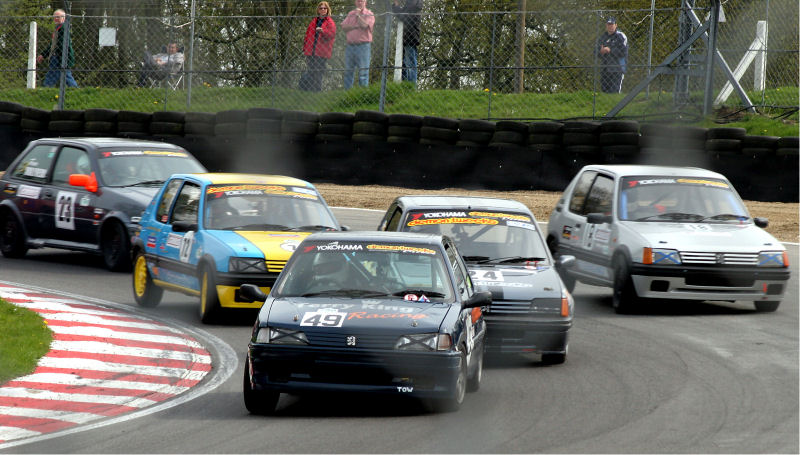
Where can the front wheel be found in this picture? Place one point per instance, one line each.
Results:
(453, 403)
(624, 295)
(474, 382)
(766, 307)
(145, 292)
(554, 358)
(116, 248)
(258, 402)
(209, 300)
(12, 238)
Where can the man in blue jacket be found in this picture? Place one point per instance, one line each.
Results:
(612, 52)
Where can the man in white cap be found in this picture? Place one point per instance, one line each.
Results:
(612, 52)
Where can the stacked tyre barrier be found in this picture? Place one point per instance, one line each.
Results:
(372, 147)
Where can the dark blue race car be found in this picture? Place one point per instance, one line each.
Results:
(372, 312)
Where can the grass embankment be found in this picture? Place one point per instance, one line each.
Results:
(403, 98)
(24, 339)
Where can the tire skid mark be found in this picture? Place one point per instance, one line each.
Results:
(103, 362)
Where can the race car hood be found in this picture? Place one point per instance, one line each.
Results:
(273, 245)
(708, 237)
(517, 282)
(131, 200)
(359, 315)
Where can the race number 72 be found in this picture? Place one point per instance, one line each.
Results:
(321, 318)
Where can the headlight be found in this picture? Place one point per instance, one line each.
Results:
(280, 336)
(773, 259)
(247, 265)
(424, 342)
(661, 256)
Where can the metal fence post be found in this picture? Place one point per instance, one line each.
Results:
(711, 47)
(387, 30)
(31, 76)
(650, 43)
(62, 88)
(191, 59)
(491, 66)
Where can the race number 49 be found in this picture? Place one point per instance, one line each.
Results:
(322, 318)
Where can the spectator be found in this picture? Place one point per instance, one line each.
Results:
(53, 54)
(161, 66)
(358, 29)
(409, 15)
(612, 49)
(317, 47)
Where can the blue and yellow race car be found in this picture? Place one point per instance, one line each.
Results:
(206, 234)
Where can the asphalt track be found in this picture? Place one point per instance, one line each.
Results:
(712, 377)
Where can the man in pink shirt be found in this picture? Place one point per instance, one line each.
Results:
(358, 30)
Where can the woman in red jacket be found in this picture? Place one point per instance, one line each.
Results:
(317, 47)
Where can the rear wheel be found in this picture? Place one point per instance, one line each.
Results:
(145, 292)
(766, 307)
(624, 295)
(453, 403)
(258, 402)
(12, 238)
(116, 249)
(209, 300)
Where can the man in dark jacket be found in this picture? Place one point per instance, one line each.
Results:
(612, 51)
(53, 54)
(409, 15)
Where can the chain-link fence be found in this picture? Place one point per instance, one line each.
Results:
(475, 59)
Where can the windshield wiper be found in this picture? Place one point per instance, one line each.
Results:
(674, 216)
(263, 226)
(419, 292)
(510, 259)
(727, 216)
(148, 182)
(311, 227)
(475, 258)
(346, 293)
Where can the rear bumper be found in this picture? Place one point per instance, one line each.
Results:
(709, 282)
(509, 334)
(305, 369)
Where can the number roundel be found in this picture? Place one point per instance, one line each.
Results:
(323, 318)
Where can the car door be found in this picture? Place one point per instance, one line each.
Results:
(74, 207)
(391, 220)
(591, 244)
(176, 248)
(29, 177)
(470, 317)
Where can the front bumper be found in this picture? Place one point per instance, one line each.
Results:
(291, 369)
(228, 285)
(710, 282)
(525, 334)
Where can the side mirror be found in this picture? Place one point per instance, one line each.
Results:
(478, 299)
(87, 181)
(598, 218)
(566, 261)
(183, 226)
(761, 222)
(252, 293)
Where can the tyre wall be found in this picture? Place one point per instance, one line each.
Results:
(370, 147)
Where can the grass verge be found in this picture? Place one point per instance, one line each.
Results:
(24, 339)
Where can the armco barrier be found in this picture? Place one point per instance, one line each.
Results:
(430, 153)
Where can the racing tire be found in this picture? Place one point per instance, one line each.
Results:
(62, 115)
(624, 294)
(11, 107)
(145, 292)
(209, 300)
(101, 127)
(476, 125)
(12, 238)
(169, 117)
(336, 118)
(132, 127)
(454, 402)
(9, 118)
(766, 307)
(134, 116)
(474, 381)
(65, 126)
(554, 358)
(264, 113)
(115, 246)
(554, 128)
(258, 402)
(341, 129)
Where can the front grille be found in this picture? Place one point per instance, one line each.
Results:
(720, 281)
(275, 266)
(704, 258)
(339, 340)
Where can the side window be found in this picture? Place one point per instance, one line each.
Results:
(463, 284)
(580, 192)
(35, 163)
(394, 220)
(70, 161)
(187, 205)
(600, 196)
(162, 215)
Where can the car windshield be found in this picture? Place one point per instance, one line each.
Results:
(681, 199)
(484, 236)
(144, 167)
(366, 270)
(258, 207)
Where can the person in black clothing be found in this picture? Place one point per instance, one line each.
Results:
(409, 15)
(612, 51)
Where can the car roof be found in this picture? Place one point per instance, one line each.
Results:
(377, 236)
(109, 142)
(415, 202)
(623, 170)
(227, 178)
